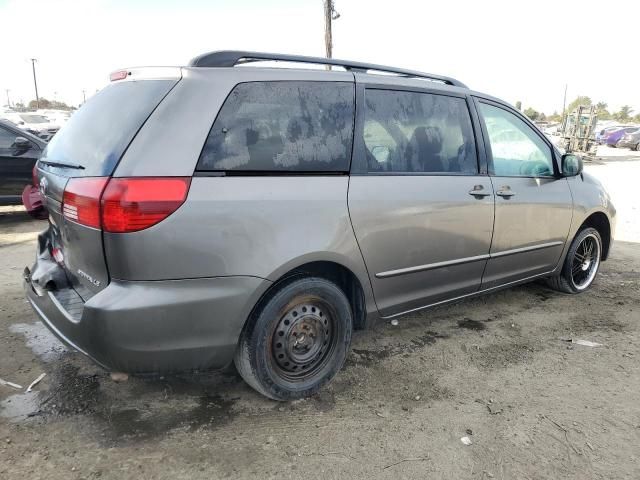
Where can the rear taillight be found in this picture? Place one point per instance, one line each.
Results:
(81, 200)
(132, 204)
(34, 175)
(123, 205)
(57, 255)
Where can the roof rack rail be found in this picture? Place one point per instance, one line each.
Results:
(231, 58)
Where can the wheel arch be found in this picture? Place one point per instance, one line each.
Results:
(600, 221)
(353, 286)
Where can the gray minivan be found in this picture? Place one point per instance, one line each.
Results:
(219, 212)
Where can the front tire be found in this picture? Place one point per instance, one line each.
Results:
(581, 264)
(297, 340)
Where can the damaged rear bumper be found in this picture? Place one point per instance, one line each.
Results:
(148, 326)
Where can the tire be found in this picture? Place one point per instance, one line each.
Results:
(297, 340)
(580, 268)
(637, 149)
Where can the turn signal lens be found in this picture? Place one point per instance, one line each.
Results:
(81, 200)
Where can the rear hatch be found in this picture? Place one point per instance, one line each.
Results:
(76, 166)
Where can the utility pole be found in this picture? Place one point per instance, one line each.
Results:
(330, 14)
(564, 101)
(35, 83)
(84, 98)
(8, 101)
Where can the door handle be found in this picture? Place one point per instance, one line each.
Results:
(505, 192)
(478, 191)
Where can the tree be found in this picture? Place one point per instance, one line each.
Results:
(519, 105)
(624, 115)
(637, 118)
(48, 104)
(531, 113)
(601, 105)
(602, 112)
(580, 100)
(555, 117)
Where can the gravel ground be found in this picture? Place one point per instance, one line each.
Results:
(497, 369)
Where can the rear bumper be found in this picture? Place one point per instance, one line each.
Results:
(153, 326)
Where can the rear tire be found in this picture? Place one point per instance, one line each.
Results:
(297, 340)
(581, 264)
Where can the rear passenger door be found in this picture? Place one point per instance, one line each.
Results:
(533, 203)
(421, 209)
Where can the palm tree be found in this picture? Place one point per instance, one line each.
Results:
(624, 114)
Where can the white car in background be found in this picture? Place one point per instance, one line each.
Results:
(58, 117)
(33, 123)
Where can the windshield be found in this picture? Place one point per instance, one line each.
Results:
(97, 134)
(34, 119)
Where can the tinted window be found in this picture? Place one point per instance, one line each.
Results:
(98, 133)
(515, 147)
(6, 138)
(282, 126)
(418, 132)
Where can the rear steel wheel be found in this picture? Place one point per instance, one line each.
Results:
(303, 339)
(297, 339)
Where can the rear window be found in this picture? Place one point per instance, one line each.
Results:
(282, 126)
(97, 134)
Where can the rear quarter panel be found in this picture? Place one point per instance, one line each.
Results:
(253, 226)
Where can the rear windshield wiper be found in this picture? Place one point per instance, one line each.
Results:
(62, 164)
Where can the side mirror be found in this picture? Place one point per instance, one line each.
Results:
(21, 143)
(571, 165)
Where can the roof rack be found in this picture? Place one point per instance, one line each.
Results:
(231, 58)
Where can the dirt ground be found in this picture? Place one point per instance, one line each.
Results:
(497, 369)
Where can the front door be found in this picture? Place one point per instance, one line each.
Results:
(16, 164)
(421, 212)
(533, 204)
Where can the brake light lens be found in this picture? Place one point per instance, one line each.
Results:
(133, 204)
(118, 75)
(81, 200)
(57, 255)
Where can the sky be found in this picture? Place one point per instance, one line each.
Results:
(516, 50)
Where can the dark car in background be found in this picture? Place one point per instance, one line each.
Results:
(601, 135)
(630, 140)
(612, 139)
(19, 152)
(34, 123)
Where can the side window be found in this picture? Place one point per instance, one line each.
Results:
(6, 138)
(283, 126)
(516, 149)
(418, 132)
